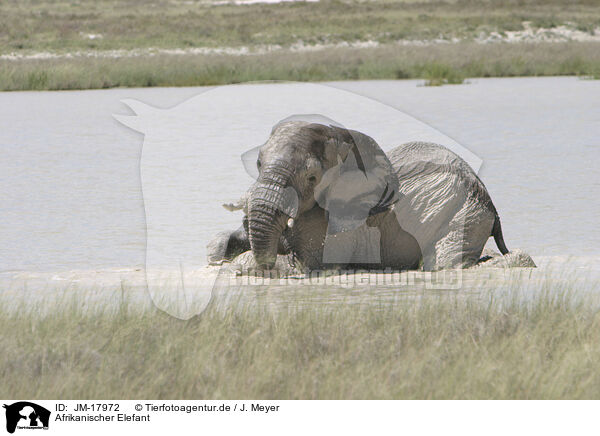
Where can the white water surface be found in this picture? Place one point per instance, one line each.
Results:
(72, 197)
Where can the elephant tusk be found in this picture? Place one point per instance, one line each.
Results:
(290, 223)
(232, 207)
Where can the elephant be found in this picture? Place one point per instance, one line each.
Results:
(513, 259)
(332, 198)
(444, 205)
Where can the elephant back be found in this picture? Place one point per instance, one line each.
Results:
(418, 160)
(434, 184)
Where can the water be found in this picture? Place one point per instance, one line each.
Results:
(538, 139)
(72, 194)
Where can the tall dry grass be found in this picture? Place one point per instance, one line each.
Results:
(66, 25)
(439, 64)
(428, 345)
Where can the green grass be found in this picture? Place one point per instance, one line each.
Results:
(437, 74)
(436, 64)
(543, 346)
(63, 26)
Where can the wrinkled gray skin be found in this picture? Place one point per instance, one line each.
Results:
(354, 207)
(444, 205)
(512, 259)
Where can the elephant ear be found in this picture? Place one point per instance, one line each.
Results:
(351, 151)
(249, 160)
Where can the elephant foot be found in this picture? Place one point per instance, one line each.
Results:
(217, 247)
(512, 259)
(284, 265)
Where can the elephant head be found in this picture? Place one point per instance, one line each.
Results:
(306, 165)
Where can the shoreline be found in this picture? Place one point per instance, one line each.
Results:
(109, 44)
(91, 281)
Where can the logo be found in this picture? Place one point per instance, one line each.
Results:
(26, 415)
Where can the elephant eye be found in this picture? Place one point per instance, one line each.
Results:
(312, 179)
(258, 164)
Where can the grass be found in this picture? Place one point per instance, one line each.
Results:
(436, 64)
(436, 346)
(63, 27)
(437, 74)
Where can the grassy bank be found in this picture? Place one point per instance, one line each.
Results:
(70, 25)
(85, 44)
(432, 347)
(449, 63)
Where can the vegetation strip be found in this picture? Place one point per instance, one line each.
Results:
(56, 45)
(438, 64)
(543, 345)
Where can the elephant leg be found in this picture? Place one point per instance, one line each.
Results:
(466, 235)
(448, 251)
(227, 245)
(399, 249)
(306, 238)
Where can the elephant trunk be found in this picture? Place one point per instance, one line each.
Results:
(271, 203)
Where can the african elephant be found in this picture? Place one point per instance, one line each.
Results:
(332, 197)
